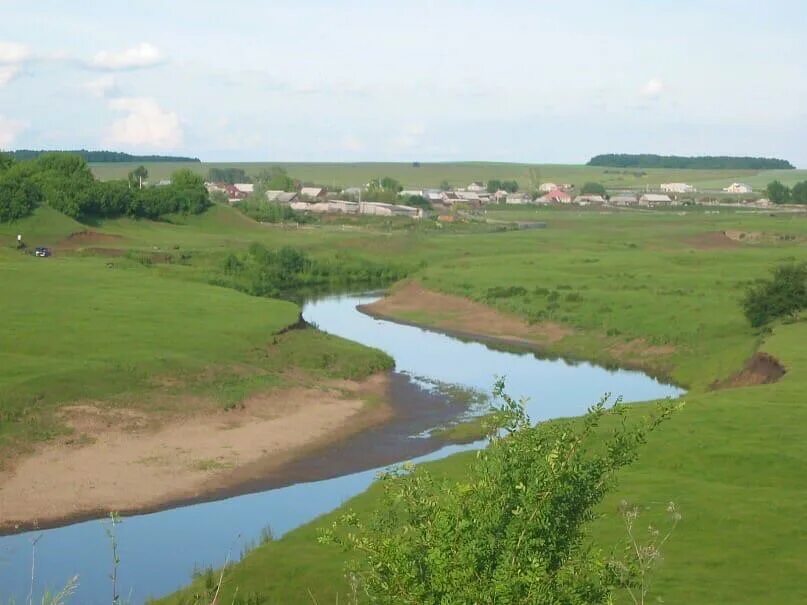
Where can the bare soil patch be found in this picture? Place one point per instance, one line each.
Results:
(712, 240)
(88, 237)
(125, 460)
(463, 316)
(762, 368)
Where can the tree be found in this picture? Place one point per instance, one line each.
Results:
(494, 185)
(777, 192)
(18, 195)
(592, 188)
(510, 186)
(138, 177)
(390, 184)
(798, 195)
(785, 294)
(513, 530)
(444, 185)
(276, 179)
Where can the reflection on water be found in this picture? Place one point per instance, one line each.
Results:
(159, 551)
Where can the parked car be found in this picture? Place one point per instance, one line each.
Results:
(42, 251)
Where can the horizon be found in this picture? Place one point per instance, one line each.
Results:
(351, 82)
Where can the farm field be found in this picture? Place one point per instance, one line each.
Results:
(457, 174)
(655, 290)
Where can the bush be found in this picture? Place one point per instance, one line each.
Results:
(513, 530)
(505, 292)
(785, 294)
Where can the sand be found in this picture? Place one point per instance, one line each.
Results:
(125, 460)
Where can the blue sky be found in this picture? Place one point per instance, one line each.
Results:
(348, 80)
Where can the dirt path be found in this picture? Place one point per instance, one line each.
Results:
(122, 462)
(462, 316)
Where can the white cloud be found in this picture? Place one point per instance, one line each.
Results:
(351, 143)
(12, 53)
(142, 55)
(12, 56)
(8, 73)
(145, 124)
(652, 88)
(409, 137)
(103, 87)
(9, 129)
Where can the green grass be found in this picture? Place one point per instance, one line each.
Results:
(732, 459)
(337, 175)
(86, 326)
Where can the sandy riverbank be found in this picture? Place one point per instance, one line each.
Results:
(125, 461)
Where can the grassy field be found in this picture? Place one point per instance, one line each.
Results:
(655, 289)
(336, 175)
(733, 459)
(117, 318)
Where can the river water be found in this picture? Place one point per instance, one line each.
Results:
(159, 551)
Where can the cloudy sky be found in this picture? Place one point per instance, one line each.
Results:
(345, 80)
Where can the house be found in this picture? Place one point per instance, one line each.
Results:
(677, 188)
(233, 193)
(586, 200)
(450, 197)
(211, 187)
(623, 199)
(245, 187)
(411, 192)
(476, 187)
(518, 198)
(738, 188)
(469, 196)
(500, 196)
(314, 192)
(163, 182)
(547, 187)
(281, 197)
(652, 199)
(557, 196)
(344, 206)
(382, 209)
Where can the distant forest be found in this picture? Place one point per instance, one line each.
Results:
(101, 156)
(706, 162)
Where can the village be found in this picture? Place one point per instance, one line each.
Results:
(319, 200)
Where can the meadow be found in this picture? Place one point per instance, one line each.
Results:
(732, 459)
(657, 290)
(460, 174)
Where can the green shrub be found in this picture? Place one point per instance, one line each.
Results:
(785, 294)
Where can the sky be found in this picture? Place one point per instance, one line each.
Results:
(413, 80)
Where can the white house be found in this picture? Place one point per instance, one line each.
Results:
(313, 192)
(651, 199)
(245, 187)
(518, 198)
(738, 188)
(585, 200)
(476, 187)
(677, 188)
(623, 199)
(547, 187)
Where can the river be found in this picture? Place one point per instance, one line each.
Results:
(159, 551)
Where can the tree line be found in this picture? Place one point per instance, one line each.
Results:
(707, 162)
(779, 193)
(101, 156)
(65, 183)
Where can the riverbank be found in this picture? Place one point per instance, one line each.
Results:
(128, 461)
(410, 303)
